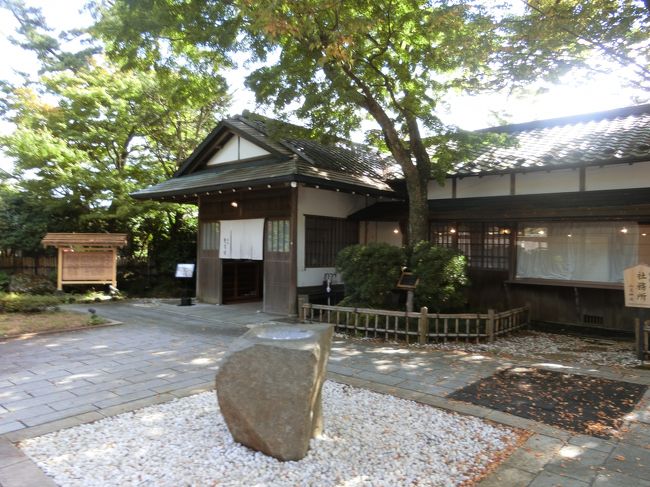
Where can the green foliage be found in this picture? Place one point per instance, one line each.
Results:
(30, 284)
(443, 277)
(369, 273)
(88, 132)
(29, 303)
(4, 281)
(552, 37)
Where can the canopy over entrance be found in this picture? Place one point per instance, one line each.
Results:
(86, 258)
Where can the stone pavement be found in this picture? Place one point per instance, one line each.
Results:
(163, 351)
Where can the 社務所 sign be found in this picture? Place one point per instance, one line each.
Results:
(636, 281)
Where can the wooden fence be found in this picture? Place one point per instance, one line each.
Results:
(422, 327)
(36, 266)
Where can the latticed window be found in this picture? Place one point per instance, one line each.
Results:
(278, 238)
(486, 245)
(210, 236)
(325, 237)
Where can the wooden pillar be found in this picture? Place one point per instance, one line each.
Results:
(114, 251)
(59, 269)
(423, 326)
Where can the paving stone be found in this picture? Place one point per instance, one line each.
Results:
(549, 479)
(137, 404)
(638, 435)
(380, 378)
(507, 477)
(24, 474)
(53, 416)
(38, 401)
(102, 386)
(578, 463)
(124, 398)
(9, 395)
(59, 424)
(29, 412)
(592, 443)
(82, 400)
(125, 390)
(616, 479)
(9, 454)
(173, 386)
(425, 388)
(630, 459)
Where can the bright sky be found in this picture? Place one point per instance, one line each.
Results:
(574, 96)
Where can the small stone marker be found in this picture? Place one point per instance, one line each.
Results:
(269, 388)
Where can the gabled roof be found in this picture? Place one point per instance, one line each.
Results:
(292, 157)
(609, 137)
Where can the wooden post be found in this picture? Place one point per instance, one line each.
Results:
(489, 326)
(59, 269)
(114, 249)
(423, 326)
(638, 335)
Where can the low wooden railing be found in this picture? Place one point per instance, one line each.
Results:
(422, 327)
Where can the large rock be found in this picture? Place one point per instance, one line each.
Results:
(269, 388)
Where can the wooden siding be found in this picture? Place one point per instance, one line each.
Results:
(278, 270)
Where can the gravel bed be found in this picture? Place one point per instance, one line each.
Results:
(370, 439)
(565, 348)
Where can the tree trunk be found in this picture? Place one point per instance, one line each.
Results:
(418, 228)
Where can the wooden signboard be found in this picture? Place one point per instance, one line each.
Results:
(407, 281)
(87, 266)
(86, 258)
(636, 281)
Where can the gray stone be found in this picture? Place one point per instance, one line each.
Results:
(269, 388)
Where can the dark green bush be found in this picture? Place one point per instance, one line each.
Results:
(29, 303)
(27, 283)
(370, 273)
(443, 277)
(4, 281)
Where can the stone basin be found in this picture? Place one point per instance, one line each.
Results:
(283, 333)
(269, 387)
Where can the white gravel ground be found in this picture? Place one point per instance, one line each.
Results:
(370, 439)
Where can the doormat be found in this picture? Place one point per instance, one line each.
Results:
(579, 403)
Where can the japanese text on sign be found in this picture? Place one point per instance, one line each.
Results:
(637, 286)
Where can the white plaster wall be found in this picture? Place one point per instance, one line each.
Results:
(236, 149)
(538, 182)
(437, 192)
(322, 202)
(618, 176)
(380, 232)
(475, 186)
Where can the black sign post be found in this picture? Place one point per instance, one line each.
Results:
(185, 272)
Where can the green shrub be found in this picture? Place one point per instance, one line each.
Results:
(370, 273)
(4, 281)
(27, 283)
(443, 277)
(29, 303)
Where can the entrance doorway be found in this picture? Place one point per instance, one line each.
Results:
(242, 280)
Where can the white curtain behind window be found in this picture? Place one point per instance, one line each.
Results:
(585, 251)
(242, 239)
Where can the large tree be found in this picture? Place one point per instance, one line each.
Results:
(88, 132)
(334, 62)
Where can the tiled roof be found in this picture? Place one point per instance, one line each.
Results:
(273, 170)
(292, 158)
(613, 136)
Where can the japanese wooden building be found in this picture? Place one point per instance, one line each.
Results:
(551, 218)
